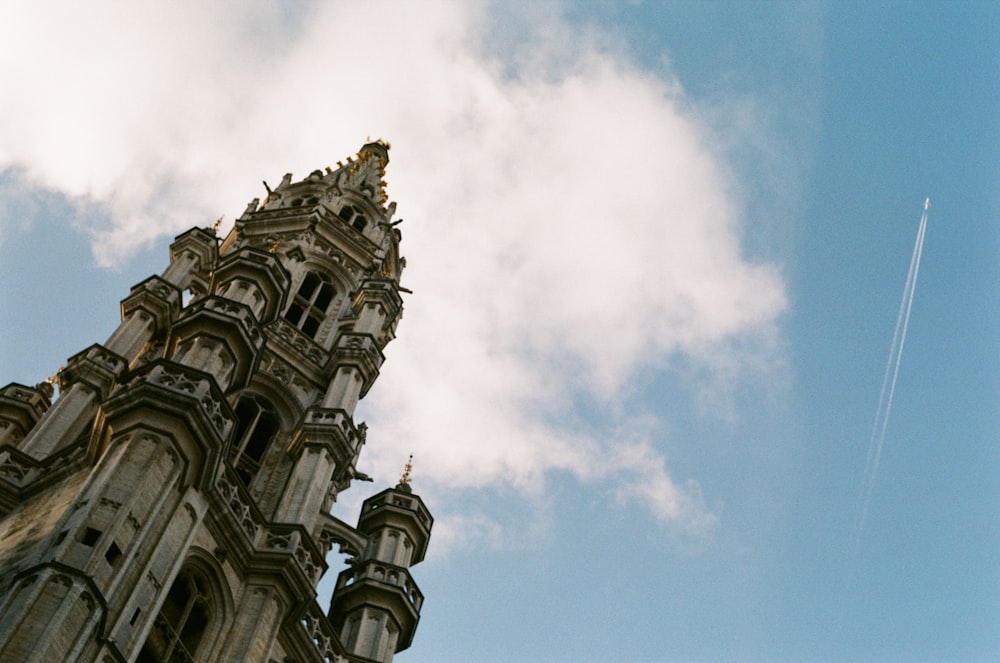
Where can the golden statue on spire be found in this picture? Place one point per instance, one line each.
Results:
(405, 479)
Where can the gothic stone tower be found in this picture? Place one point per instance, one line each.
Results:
(173, 503)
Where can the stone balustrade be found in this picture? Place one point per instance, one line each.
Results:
(380, 573)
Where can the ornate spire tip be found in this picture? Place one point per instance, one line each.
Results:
(405, 479)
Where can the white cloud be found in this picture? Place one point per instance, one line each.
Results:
(568, 219)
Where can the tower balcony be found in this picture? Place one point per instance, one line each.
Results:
(221, 336)
(309, 354)
(163, 394)
(284, 549)
(260, 273)
(382, 586)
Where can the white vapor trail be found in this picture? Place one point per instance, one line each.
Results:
(889, 379)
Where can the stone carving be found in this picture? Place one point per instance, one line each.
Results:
(311, 564)
(240, 312)
(308, 563)
(14, 470)
(280, 541)
(378, 572)
(177, 379)
(306, 347)
(244, 514)
(321, 634)
(214, 411)
(18, 393)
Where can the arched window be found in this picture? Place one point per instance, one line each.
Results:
(258, 425)
(183, 620)
(308, 308)
(353, 216)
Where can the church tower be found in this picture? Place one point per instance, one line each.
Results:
(172, 505)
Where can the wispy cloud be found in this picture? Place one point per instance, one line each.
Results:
(568, 220)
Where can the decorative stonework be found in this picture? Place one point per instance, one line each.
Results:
(277, 538)
(97, 367)
(306, 348)
(384, 574)
(156, 297)
(14, 469)
(321, 634)
(180, 381)
(241, 313)
(238, 506)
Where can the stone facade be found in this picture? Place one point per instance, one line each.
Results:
(173, 503)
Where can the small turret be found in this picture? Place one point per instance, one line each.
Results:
(376, 604)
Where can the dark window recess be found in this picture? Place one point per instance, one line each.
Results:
(113, 554)
(61, 537)
(258, 425)
(308, 308)
(178, 629)
(90, 537)
(135, 617)
(353, 215)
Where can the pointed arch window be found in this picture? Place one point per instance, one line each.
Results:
(185, 616)
(258, 426)
(353, 216)
(308, 309)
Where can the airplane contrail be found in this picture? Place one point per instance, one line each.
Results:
(881, 423)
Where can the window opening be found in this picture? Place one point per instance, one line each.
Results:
(183, 619)
(258, 425)
(113, 554)
(353, 215)
(308, 308)
(90, 537)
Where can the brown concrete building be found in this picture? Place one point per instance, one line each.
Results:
(173, 503)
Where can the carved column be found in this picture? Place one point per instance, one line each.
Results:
(192, 257)
(147, 312)
(89, 376)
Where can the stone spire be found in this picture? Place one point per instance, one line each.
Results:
(173, 502)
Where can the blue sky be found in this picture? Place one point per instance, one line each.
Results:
(664, 246)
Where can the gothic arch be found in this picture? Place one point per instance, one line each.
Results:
(280, 394)
(363, 204)
(193, 616)
(343, 286)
